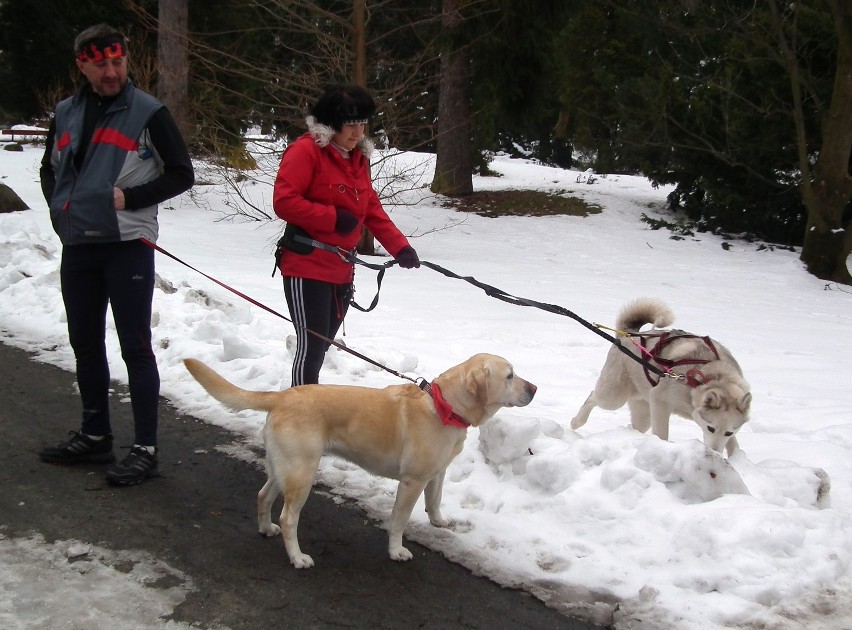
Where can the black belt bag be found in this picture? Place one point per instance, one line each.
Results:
(288, 241)
(299, 246)
(297, 240)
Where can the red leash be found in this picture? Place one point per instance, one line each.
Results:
(340, 346)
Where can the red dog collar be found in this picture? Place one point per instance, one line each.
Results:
(445, 409)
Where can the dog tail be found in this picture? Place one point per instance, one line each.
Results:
(233, 397)
(645, 311)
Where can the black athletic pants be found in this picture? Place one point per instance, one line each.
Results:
(320, 307)
(120, 275)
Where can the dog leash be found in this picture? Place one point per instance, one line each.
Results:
(551, 308)
(419, 382)
(351, 257)
(444, 409)
(488, 289)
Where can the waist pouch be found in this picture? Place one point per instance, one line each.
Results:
(287, 241)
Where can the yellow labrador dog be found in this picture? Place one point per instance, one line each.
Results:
(401, 432)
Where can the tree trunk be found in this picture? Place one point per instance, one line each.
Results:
(828, 238)
(367, 243)
(173, 61)
(359, 42)
(453, 165)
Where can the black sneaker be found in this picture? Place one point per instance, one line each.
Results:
(135, 468)
(79, 448)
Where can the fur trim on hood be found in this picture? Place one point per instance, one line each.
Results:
(322, 135)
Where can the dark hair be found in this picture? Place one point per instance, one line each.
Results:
(98, 31)
(342, 103)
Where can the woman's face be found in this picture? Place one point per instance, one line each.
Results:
(349, 136)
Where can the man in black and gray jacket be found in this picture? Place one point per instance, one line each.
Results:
(113, 154)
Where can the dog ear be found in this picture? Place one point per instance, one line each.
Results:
(711, 400)
(744, 402)
(477, 383)
(474, 383)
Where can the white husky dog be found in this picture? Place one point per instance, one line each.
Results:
(709, 385)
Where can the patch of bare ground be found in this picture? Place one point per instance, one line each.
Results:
(523, 203)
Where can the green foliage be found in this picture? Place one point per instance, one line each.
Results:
(696, 96)
(515, 105)
(36, 41)
(689, 94)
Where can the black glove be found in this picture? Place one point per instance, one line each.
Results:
(345, 222)
(407, 258)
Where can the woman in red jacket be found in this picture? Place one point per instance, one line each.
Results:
(324, 187)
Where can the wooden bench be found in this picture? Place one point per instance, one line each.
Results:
(24, 134)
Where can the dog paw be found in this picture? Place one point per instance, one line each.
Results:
(270, 529)
(302, 561)
(401, 554)
(440, 521)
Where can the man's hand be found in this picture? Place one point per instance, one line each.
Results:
(118, 198)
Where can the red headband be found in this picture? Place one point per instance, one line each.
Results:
(102, 48)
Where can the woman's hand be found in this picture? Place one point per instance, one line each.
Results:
(407, 258)
(345, 222)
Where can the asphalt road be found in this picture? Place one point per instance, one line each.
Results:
(198, 516)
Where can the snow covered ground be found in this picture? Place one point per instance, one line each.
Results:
(590, 518)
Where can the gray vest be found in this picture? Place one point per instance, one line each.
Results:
(120, 154)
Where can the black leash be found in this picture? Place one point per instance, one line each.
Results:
(551, 308)
(491, 291)
(487, 288)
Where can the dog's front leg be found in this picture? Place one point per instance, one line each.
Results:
(583, 414)
(640, 414)
(407, 493)
(660, 416)
(434, 490)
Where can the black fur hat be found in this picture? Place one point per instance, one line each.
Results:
(343, 104)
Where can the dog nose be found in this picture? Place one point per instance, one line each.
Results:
(529, 392)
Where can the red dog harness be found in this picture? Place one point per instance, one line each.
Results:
(694, 377)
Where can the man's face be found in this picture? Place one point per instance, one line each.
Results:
(107, 77)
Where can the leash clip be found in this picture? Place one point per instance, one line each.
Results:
(346, 255)
(695, 377)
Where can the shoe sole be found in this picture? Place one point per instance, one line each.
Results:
(134, 481)
(103, 458)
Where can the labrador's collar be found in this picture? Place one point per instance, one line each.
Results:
(444, 409)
